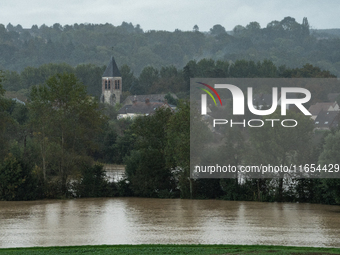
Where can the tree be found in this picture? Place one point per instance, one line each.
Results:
(93, 182)
(66, 120)
(331, 155)
(238, 29)
(41, 117)
(12, 81)
(170, 99)
(178, 145)
(280, 145)
(146, 168)
(147, 78)
(217, 30)
(128, 77)
(253, 26)
(307, 71)
(171, 80)
(179, 153)
(190, 71)
(305, 26)
(195, 28)
(19, 129)
(289, 23)
(5, 120)
(10, 178)
(17, 181)
(89, 75)
(10, 27)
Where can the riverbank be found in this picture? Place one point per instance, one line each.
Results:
(171, 249)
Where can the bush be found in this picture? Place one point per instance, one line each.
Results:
(17, 180)
(93, 183)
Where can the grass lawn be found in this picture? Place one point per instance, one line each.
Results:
(172, 249)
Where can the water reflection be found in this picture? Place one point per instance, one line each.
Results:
(141, 220)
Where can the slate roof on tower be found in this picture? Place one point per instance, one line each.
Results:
(112, 69)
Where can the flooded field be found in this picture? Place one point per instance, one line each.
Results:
(166, 221)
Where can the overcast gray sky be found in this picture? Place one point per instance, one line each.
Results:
(169, 15)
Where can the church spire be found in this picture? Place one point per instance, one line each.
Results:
(111, 84)
(112, 69)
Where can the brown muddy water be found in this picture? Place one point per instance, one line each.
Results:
(166, 221)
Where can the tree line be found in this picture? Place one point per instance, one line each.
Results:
(286, 42)
(154, 80)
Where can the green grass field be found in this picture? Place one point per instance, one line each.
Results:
(172, 249)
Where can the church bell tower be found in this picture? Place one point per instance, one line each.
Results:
(111, 84)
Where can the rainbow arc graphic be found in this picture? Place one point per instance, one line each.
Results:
(209, 93)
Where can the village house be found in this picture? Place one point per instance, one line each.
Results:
(315, 109)
(152, 98)
(141, 109)
(327, 120)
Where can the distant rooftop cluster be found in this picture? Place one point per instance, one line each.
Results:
(144, 105)
(326, 114)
